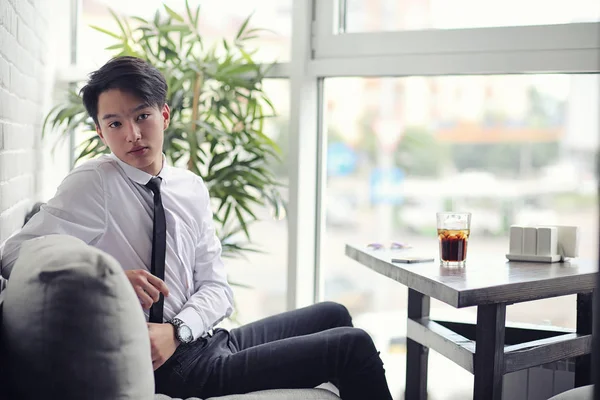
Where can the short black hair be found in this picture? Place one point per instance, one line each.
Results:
(130, 74)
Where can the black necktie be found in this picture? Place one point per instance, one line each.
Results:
(159, 246)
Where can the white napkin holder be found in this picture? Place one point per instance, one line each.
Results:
(552, 243)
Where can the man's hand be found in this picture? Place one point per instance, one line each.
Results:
(147, 287)
(162, 343)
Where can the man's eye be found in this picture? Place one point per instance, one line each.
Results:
(115, 124)
(143, 116)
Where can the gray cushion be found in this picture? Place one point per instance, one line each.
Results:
(279, 394)
(283, 394)
(74, 326)
(582, 393)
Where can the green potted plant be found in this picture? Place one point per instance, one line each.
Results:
(218, 113)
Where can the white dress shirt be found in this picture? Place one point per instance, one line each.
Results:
(104, 203)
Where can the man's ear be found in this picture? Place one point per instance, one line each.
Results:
(166, 113)
(99, 132)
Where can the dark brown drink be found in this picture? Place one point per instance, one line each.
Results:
(453, 244)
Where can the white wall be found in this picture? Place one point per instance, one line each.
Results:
(25, 67)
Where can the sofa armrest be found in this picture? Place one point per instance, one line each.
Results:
(274, 394)
(283, 394)
(580, 393)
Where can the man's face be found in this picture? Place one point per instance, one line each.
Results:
(133, 130)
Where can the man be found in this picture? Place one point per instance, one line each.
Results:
(157, 222)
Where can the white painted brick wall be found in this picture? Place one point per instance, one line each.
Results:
(24, 29)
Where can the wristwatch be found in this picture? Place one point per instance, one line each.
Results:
(183, 333)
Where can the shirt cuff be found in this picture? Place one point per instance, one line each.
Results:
(190, 317)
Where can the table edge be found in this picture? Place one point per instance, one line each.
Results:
(442, 293)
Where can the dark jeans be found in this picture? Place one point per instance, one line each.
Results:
(297, 349)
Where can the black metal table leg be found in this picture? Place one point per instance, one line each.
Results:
(489, 352)
(583, 364)
(416, 354)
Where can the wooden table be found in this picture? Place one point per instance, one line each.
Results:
(490, 283)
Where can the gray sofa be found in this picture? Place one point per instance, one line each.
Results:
(581, 393)
(71, 324)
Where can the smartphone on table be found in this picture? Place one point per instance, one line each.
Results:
(412, 260)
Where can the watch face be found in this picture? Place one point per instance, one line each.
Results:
(185, 334)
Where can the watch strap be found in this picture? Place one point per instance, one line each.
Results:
(176, 322)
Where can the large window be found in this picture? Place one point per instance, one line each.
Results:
(510, 149)
(392, 15)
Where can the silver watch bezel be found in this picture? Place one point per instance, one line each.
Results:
(179, 328)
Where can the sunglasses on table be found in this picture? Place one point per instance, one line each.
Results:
(393, 246)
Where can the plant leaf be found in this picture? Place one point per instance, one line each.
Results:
(118, 20)
(105, 31)
(173, 14)
(174, 28)
(243, 27)
(139, 19)
(242, 222)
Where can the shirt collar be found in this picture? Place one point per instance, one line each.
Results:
(139, 176)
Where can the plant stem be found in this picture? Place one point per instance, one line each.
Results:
(193, 136)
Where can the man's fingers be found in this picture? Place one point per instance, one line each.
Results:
(152, 292)
(143, 278)
(145, 299)
(158, 284)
